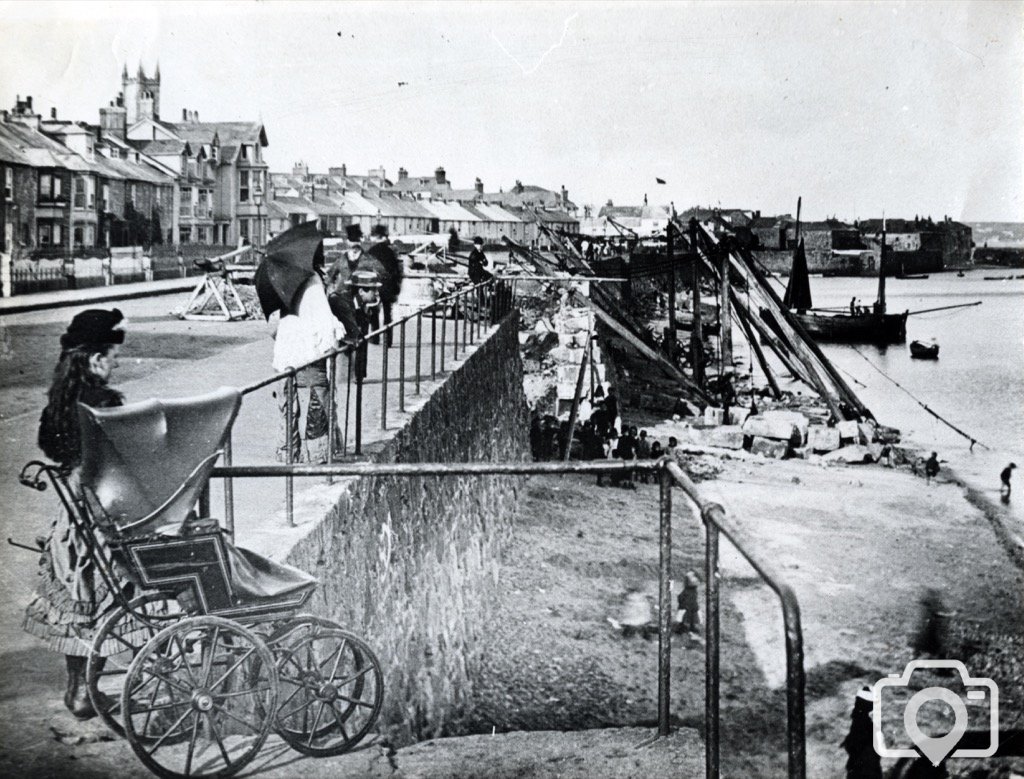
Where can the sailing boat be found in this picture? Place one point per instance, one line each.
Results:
(853, 326)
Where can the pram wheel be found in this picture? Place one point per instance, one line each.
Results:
(199, 698)
(330, 686)
(119, 638)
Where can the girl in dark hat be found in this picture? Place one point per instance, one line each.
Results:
(72, 596)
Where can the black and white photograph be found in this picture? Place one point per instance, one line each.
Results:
(583, 390)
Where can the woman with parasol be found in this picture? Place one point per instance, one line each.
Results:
(288, 282)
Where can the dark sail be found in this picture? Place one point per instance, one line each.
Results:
(798, 290)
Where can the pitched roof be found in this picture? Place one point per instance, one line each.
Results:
(226, 133)
(824, 227)
(528, 194)
(132, 170)
(495, 212)
(421, 184)
(903, 225)
(10, 148)
(618, 212)
(768, 222)
(162, 148)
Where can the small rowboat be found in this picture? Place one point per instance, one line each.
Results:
(924, 351)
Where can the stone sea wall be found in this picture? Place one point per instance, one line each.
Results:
(411, 563)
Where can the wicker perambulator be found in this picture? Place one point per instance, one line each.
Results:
(205, 653)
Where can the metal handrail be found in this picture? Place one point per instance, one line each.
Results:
(715, 520)
(489, 289)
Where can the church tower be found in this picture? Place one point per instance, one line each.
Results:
(141, 94)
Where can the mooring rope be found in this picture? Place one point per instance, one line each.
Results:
(923, 405)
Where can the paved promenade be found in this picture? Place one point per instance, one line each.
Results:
(163, 357)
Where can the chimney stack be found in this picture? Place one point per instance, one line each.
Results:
(184, 114)
(479, 186)
(403, 174)
(439, 175)
(53, 113)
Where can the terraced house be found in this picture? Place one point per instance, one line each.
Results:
(70, 194)
(221, 174)
(75, 193)
(416, 205)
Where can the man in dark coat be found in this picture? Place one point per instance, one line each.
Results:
(391, 280)
(352, 259)
(477, 262)
(356, 311)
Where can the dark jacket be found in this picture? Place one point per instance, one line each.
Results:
(349, 310)
(391, 281)
(338, 274)
(477, 263)
(357, 319)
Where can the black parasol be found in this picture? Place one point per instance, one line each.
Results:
(292, 258)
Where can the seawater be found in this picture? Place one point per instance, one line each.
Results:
(977, 383)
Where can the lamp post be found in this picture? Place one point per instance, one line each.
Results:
(257, 199)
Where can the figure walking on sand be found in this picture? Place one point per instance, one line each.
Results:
(1004, 477)
(931, 467)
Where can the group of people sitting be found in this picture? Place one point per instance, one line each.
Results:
(598, 438)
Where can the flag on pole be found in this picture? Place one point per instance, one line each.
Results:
(660, 181)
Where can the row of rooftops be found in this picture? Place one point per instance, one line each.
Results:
(383, 205)
(338, 179)
(220, 142)
(27, 139)
(21, 145)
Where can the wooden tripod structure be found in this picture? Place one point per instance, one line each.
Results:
(218, 287)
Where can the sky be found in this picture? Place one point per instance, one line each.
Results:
(861, 108)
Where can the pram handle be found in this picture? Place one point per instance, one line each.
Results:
(32, 474)
(37, 549)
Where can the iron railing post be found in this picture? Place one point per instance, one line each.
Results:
(229, 491)
(384, 386)
(419, 346)
(712, 758)
(665, 601)
(332, 407)
(359, 414)
(290, 422)
(465, 322)
(444, 334)
(455, 328)
(401, 368)
(433, 342)
(795, 684)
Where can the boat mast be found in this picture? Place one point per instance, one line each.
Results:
(796, 241)
(880, 303)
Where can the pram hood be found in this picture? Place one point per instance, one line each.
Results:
(144, 464)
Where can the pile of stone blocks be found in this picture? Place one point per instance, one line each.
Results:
(776, 434)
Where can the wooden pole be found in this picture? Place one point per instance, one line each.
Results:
(755, 347)
(574, 412)
(672, 338)
(744, 315)
(725, 316)
(697, 334)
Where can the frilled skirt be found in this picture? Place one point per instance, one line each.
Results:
(71, 596)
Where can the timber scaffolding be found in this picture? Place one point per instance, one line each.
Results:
(765, 322)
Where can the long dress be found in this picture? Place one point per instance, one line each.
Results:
(71, 595)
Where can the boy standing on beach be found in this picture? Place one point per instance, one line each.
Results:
(931, 468)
